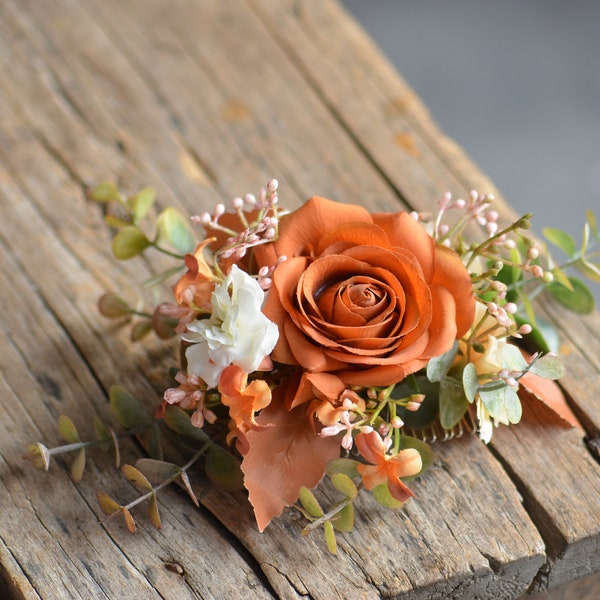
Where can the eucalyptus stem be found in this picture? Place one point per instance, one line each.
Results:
(331, 513)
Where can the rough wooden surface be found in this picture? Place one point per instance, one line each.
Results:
(205, 100)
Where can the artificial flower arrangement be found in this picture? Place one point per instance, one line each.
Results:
(333, 343)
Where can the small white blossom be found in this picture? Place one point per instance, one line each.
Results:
(237, 332)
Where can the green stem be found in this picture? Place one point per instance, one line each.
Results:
(330, 514)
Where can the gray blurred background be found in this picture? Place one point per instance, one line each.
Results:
(516, 83)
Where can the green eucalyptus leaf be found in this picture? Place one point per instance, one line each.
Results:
(560, 277)
(589, 269)
(78, 466)
(175, 229)
(126, 408)
(580, 300)
(157, 471)
(223, 469)
(561, 239)
(67, 430)
(347, 466)
(344, 484)
(129, 242)
(543, 335)
(310, 503)
(113, 307)
(549, 367)
(140, 204)
(116, 222)
(136, 477)
(502, 402)
(591, 219)
(153, 512)
(453, 402)
(141, 329)
(344, 519)
(512, 358)
(330, 537)
(179, 421)
(470, 382)
(438, 367)
(107, 505)
(381, 493)
(106, 192)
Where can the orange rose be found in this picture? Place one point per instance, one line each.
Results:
(370, 297)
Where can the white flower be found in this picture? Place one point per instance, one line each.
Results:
(237, 332)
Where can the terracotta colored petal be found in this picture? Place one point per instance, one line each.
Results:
(407, 463)
(442, 331)
(399, 490)
(371, 448)
(301, 231)
(404, 232)
(354, 234)
(307, 354)
(317, 385)
(383, 375)
(372, 475)
(452, 274)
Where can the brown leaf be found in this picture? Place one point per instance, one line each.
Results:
(283, 458)
(550, 394)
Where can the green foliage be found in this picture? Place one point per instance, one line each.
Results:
(452, 402)
(502, 402)
(126, 408)
(223, 469)
(577, 299)
(114, 307)
(174, 229)
(310, 503)
(129, 242)
(381, 493)
(438, 367)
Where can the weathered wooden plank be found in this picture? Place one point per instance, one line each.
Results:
(420, 162)
(197, 143)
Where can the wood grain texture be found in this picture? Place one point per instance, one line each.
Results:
(205, 100)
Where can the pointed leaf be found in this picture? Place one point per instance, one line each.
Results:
(129, 242)
(113, 307)
(140, 204)
(283, 457)
(591, 219)
(39, 455)
(512, 358)
(589, 269)
(116, 222)
(560, 277)
(470, 381)
(179, 421)
(534, 387)
(67, 430)
(342, 465)
(153, 512)
(453, 402)
(106, 192)
(140, 330)
(548, 367)
(102, 433)
(502, 403)
(580, 300)
(561, 239)
(344, 520)
(78, 466)
(107, 505)
(174, 228)
(126, 408)
(129, 522)
(330, 537)
(438, 367)
(158, 471)
(310, 503)
(344, 484)
(136, 477)
(223, 469)
(188, 487)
